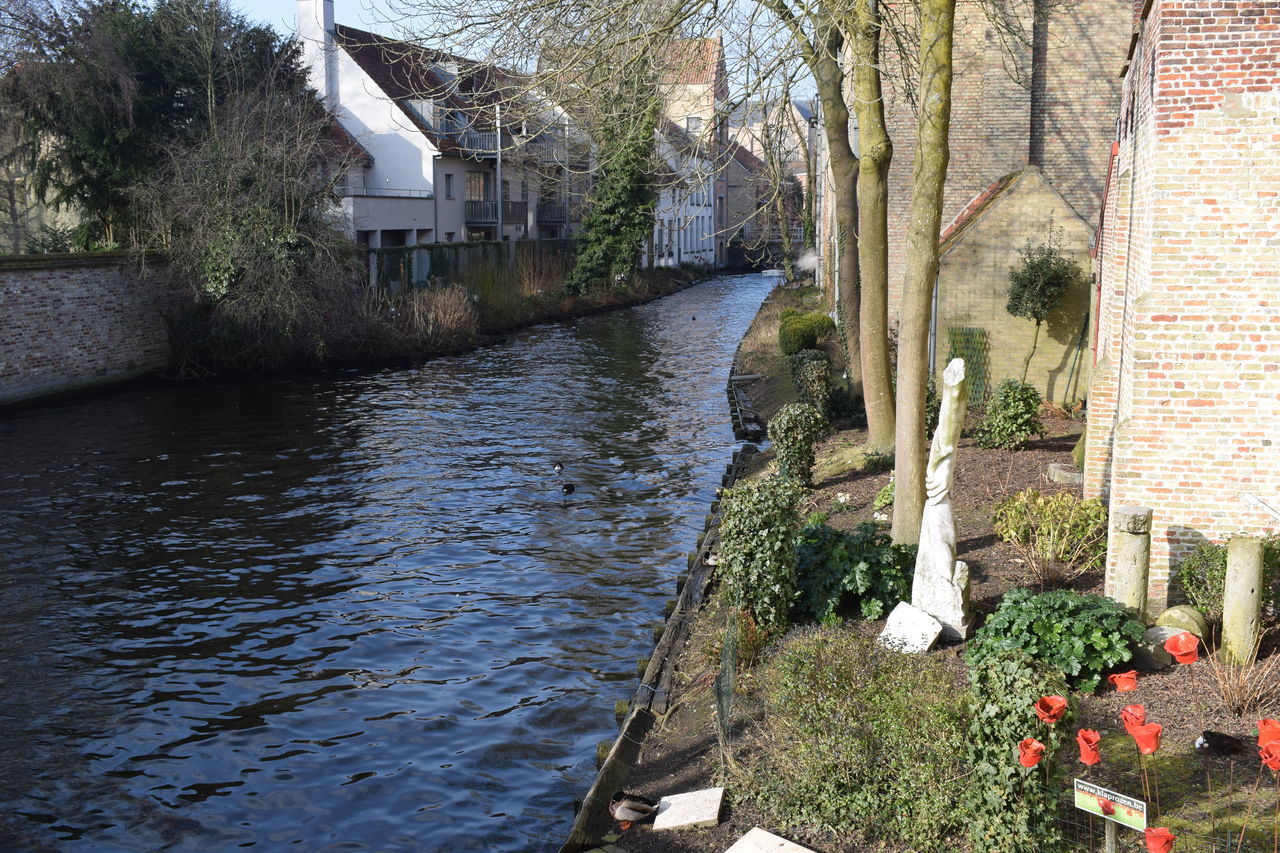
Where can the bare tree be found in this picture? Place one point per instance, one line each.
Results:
(937, 20)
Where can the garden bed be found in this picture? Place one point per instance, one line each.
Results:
(1199, 795)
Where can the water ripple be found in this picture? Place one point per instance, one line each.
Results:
(354, 611)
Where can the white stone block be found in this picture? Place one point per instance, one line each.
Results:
(684, 811)
(910, 629)
(760, 841)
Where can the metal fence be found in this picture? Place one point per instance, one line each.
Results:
(1087, 832)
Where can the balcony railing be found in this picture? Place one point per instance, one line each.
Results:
(383, 192)
(486, 212)
(552, 211)
(481, 143)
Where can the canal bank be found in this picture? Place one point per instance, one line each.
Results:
(354, 608)
(82, 322)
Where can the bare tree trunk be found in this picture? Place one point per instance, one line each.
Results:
(937, 19)
(875, 153)
(844, 175)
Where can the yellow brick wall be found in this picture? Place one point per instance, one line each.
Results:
(973, 287)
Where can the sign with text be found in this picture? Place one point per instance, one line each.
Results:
(1113, 806)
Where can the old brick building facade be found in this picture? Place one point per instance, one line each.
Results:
(1184, 413)
(1028, 91)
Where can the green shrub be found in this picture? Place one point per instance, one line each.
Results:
(840, 573)
(1012, 417)
(1081, 635)
(758, 524)
(814, 383)
(1059, 536)
(793, 431)
(884, 497)
(1013, 809)
(1202, 574)
(803, 331)
(859, 738)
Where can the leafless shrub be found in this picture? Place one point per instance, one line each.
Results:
(1247, 687)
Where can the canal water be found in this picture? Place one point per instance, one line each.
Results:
(356, 611)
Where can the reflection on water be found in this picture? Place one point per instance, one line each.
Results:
(352, 612)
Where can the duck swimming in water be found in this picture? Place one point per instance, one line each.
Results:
(567, 488)
(627, 809)
(557, 467)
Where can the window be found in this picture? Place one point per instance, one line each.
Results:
(693, 124)
(478, 187)
(448, 186)
(448, 236)
(506, 190)
(524, 190)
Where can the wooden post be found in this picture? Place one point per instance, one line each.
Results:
(1111, 836)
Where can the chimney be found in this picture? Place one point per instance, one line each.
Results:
(319, 53)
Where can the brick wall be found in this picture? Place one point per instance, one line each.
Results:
(1007, 111)
(973, 288)
(70, 322)
(1185, 402)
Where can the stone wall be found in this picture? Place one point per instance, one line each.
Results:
(1185, 402)
(76, 321)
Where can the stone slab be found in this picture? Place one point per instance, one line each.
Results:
(760, 841)
(910, 629)
(1186, 618)
(1060, 473)
(1150, 655)
(686, 811)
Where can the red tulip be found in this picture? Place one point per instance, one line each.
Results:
(1268, 731)
(1030, 751)
(1184, 647)
(1270, 755)
(1147, 737)
(1133, 715)
(1050, 709)
(1159, 840)
(1124, 681)
(1087, 740)
(1108, 807)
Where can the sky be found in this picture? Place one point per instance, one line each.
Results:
(283, 14)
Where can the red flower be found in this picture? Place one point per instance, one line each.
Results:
(1030, 751)
(1270, 755)
(1108, 807)
(1133, 715)
(1147, 737)
(1159, 840)
(1184, 647)
(1087, 740)
(1268, 731)
(1124, 681)
(1050, 709)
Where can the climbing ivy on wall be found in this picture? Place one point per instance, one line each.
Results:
(619, 216)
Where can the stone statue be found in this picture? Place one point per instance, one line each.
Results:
(941, 584)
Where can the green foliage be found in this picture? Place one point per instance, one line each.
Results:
(803, 331)
(1059, 536)
(619, 218)
(1202, 574)
(811, 372)
(1037, 284)
(1012, 417)
(884, 497)
(861, 739)
(121, 84)
(793, 430)
(841, 573)
(1081, 635)
(1014, 809)
(757, 548)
